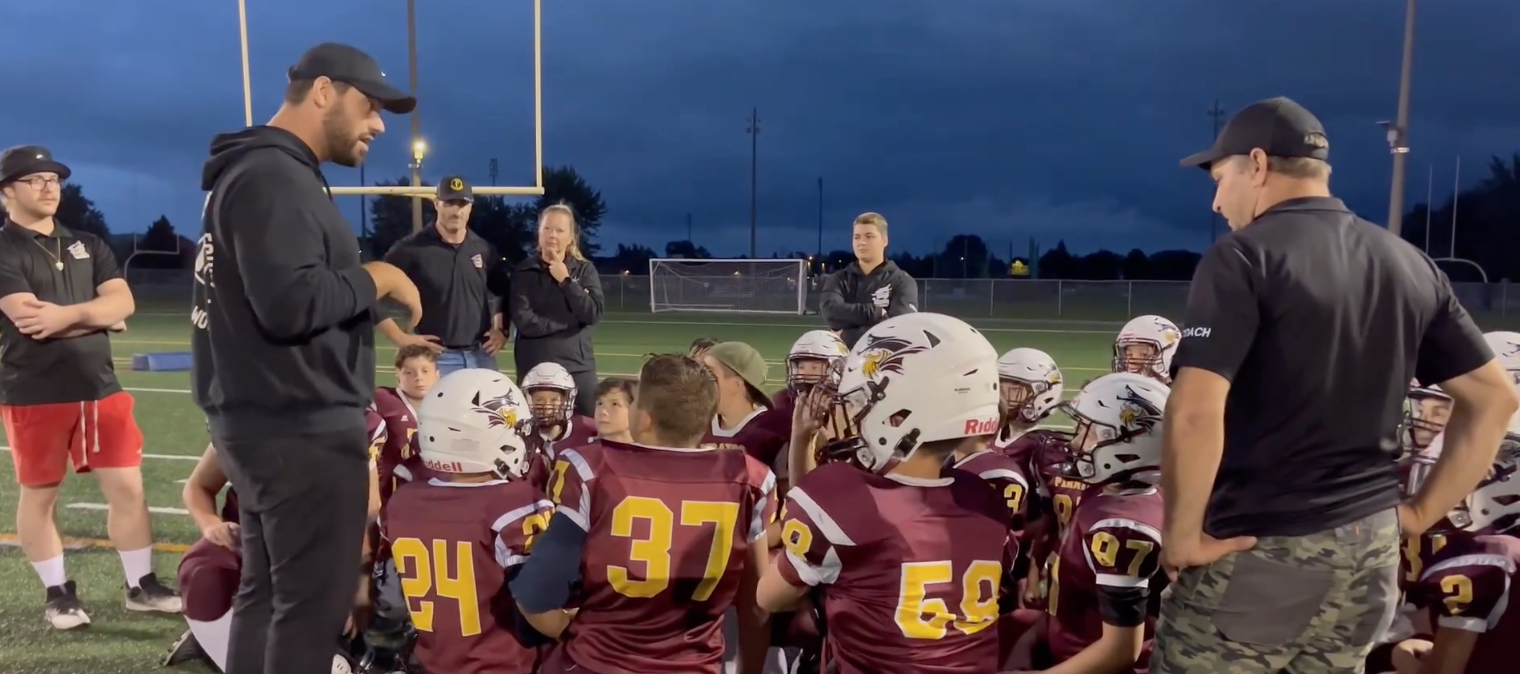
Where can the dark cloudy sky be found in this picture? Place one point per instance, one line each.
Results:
(1007, 118)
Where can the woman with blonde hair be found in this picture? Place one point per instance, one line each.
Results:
(556, 298)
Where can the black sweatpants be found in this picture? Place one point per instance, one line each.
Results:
(585, 392)
(302, 500)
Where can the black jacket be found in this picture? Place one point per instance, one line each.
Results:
(284, 341)
(851, 302)
(554, 320)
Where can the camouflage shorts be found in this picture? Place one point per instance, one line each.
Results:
(1299, 605)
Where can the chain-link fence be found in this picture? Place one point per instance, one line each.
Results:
(1493, 304)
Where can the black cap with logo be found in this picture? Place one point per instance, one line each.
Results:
(24, 160)
(1278, 126)
(351, 66)
(455, 188)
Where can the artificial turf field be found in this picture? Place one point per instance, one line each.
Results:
(175, 434)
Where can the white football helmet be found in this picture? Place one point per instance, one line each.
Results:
(913, 379)
(1506, 348)
(1146, 346)
(1426, 411)
(1030, 383)
(1494, 507)
(1118, 432)
(820, 345)
(551, 377)
(475, 421)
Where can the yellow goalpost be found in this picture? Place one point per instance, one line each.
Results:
(536, 189)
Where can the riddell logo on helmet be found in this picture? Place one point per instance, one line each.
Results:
(441, 467)
(981, 426)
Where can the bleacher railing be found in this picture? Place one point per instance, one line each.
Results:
(1104, 301)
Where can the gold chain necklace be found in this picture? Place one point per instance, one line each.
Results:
(58, 258)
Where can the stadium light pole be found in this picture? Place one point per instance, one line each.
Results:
(754, 143)
(1398, 134)
(418, 147)
(820, 217)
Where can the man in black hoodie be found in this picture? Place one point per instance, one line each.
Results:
(284, 360)
(865, 293)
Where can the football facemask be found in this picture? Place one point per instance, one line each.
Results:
(551, 377)
(1118, 429)
(1145, 346)
(1030, 384)
(811, 358)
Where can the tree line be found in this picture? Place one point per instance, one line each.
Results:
(1482, 220)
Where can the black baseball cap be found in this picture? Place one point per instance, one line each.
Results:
(455, 188)
(24, 160)
(1278, 126)
(351, 66)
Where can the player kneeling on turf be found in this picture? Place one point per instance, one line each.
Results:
(912, 556)
(1099, 587)
(1461, 573)
(211, 569)
(458, 537)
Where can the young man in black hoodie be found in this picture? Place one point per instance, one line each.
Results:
(865, 293)
(284, 360)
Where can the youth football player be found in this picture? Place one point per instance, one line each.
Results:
(211, 569)
(661, 536)
(911, 555)
(1032, 386)
(614, 399)
(1145, 346)
(1461, 573)
(551, 392)
(396, 409)
(742, 416)
(1099, 588)
(458, 537)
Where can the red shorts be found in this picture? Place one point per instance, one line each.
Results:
(92, 434)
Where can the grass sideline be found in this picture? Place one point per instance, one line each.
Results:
(174, 432)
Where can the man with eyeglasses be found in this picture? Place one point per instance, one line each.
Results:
(60, 294)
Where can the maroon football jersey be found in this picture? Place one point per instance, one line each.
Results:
(398, 461)
(1006, 476)
(1465, 584)
(454, 544)
(757, 434)
(1114, 541)
(668, 532)
(911, 569)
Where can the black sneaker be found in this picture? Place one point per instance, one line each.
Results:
(150, 596)
(185, 649)
(64, 612)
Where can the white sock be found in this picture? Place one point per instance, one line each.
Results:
(51, 571)
(136, 564)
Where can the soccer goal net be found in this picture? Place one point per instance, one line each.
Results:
(734, 286)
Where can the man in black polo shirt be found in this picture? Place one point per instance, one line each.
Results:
(1304, 327)
(60, 292)
(456, 272)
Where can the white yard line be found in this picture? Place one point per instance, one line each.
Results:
(152, 509)
(166, 457)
